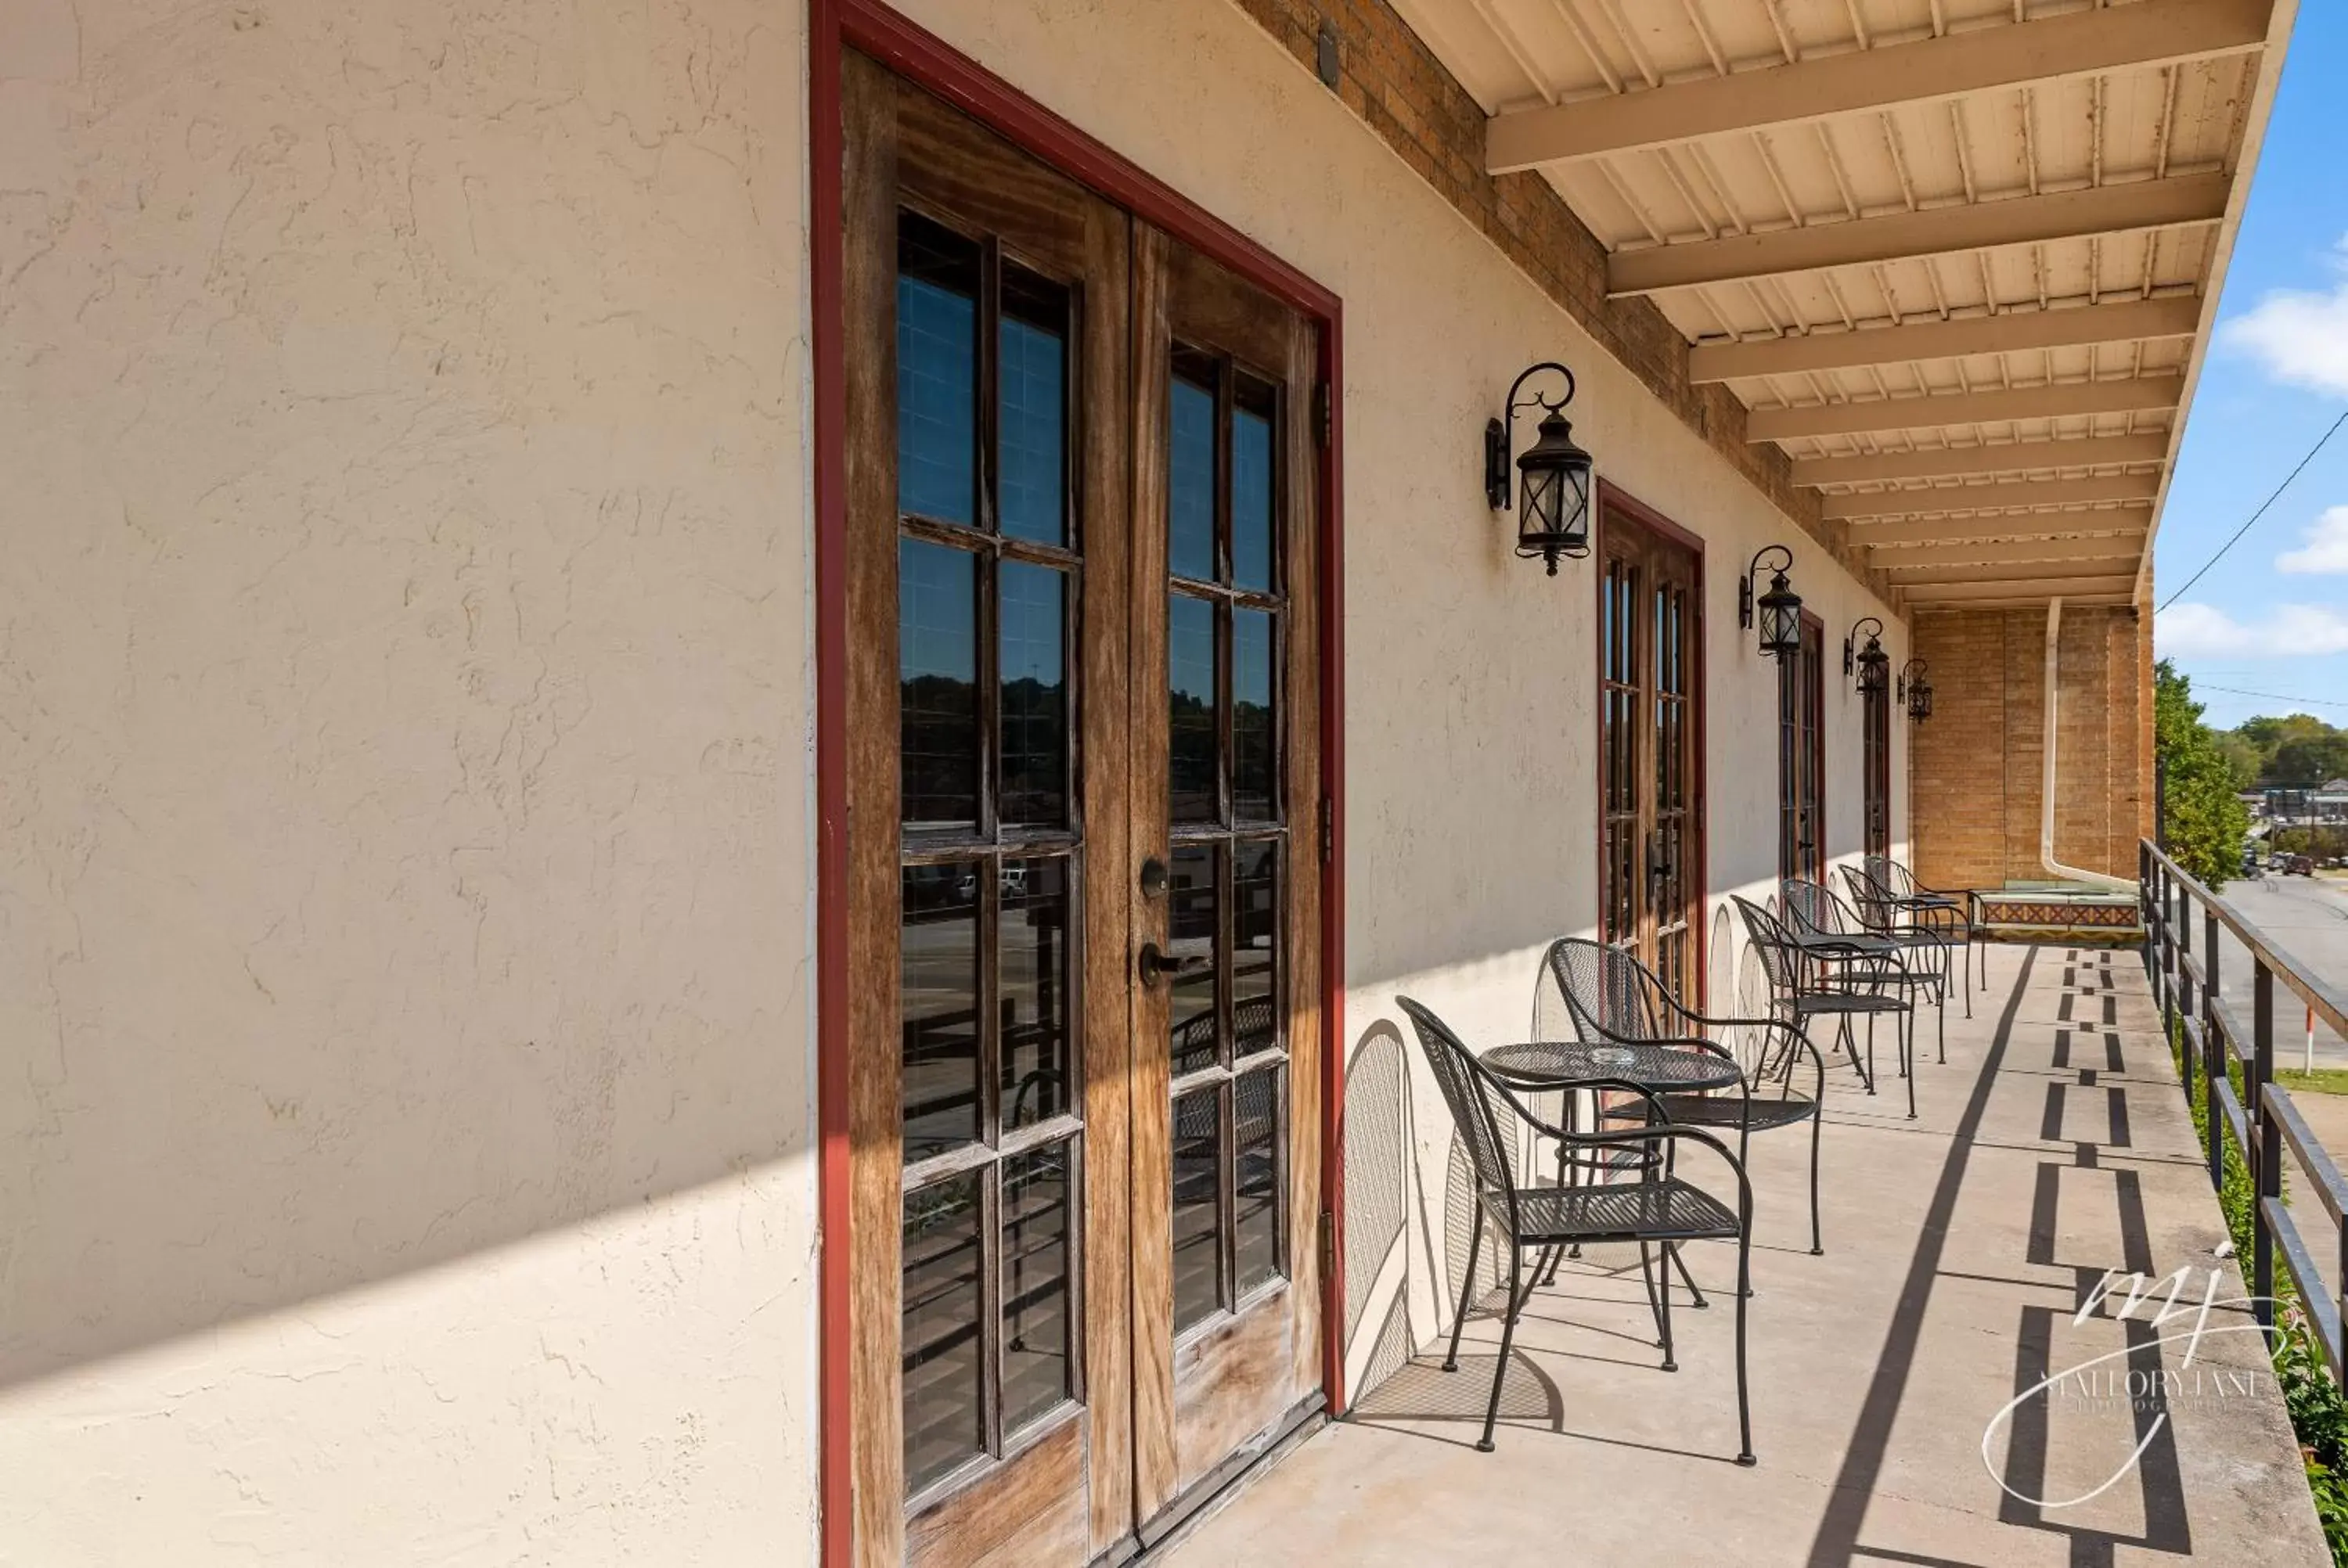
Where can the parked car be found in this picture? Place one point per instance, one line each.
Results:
(2299, 865)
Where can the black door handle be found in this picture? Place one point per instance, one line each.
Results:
(1156, 967)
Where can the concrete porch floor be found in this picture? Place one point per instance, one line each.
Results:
(2051, 1146)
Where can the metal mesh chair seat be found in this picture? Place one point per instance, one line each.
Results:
(1835, 1002)
(1731, 1111)
(1666, 1210)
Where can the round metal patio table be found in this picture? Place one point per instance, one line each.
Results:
(1544, 1064)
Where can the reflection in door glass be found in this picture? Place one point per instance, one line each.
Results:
(1030, 408)
(1190, 468)
(937, 661)
(943, 1361)
(1032, 611)
(1255, 1218)
(1251, 487)
(1198, 1168)
(1254, 721)
(937, 371)
(1032, 990)
(938, 1002)
(1255, 937)
(1193, 751)
(1194, 916)
(1035, 1233)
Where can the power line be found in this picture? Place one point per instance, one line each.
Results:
(2261, 512)
(2275, 696)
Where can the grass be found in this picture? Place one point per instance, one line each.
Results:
(2322, 1080)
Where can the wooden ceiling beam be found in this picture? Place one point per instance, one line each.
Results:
(2013, 572)
(1893, 557)
(2088, 43)
(2004, 494)
(1968, 462)
(2007, 331)
(2122, 395)
(2135, 518)
(2117, 590)
(1932, 232)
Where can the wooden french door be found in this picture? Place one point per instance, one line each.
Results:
(1084, 1048)
(1651, 726)
(1875, 722)
(1802, 756)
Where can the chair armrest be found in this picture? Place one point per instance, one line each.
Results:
(1551, 1130)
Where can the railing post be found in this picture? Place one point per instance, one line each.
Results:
(2268, 1167)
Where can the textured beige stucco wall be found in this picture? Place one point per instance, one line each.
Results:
(404, 824)
(1470, 686)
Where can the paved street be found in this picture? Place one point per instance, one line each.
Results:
(2307, 916)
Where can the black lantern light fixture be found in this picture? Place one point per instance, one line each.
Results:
(1915, 691)
(1778, 611)
(1554, 495)
(1870, 664)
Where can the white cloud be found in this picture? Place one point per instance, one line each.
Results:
(2299, 336)
(2323, 547)
(2289, 630)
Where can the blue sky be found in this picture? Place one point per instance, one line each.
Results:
(2272, 616)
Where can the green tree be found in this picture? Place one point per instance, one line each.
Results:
(2203, 823)
(2287, 753)
(2307, 760)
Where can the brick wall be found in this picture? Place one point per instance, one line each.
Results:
(1977, 763)
(1397, 87)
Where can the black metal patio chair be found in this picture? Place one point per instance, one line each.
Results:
(1607, 994)
(1654, 1206)
(1884, 914)
(1826, 978)
(1956, 913)
(1815, 910)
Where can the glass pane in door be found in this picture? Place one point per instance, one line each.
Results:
(1227, 916)
(990, 895)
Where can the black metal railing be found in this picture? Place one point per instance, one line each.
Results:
(2261, 1115)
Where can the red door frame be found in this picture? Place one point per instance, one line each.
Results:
(835, 26)
(1613, 498)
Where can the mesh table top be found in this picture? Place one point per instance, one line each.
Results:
(1538, 1064)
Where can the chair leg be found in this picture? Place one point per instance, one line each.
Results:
(1908, 1050)
(1671, 1362)
(1647, 1278)
(1818, 1119)
(1942, 1013)
(1672, 1251)
(1744, 1402)
(1508, 1338)
(1466, 1290)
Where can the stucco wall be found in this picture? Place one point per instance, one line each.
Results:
(404, 703)
(404, 844)
(1470, 692)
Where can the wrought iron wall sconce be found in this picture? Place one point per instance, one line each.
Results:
(1777, 611)
(1916, 690)
(1870, 664)
(1553, 491)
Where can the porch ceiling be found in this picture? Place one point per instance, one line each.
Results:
(1933, 245)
